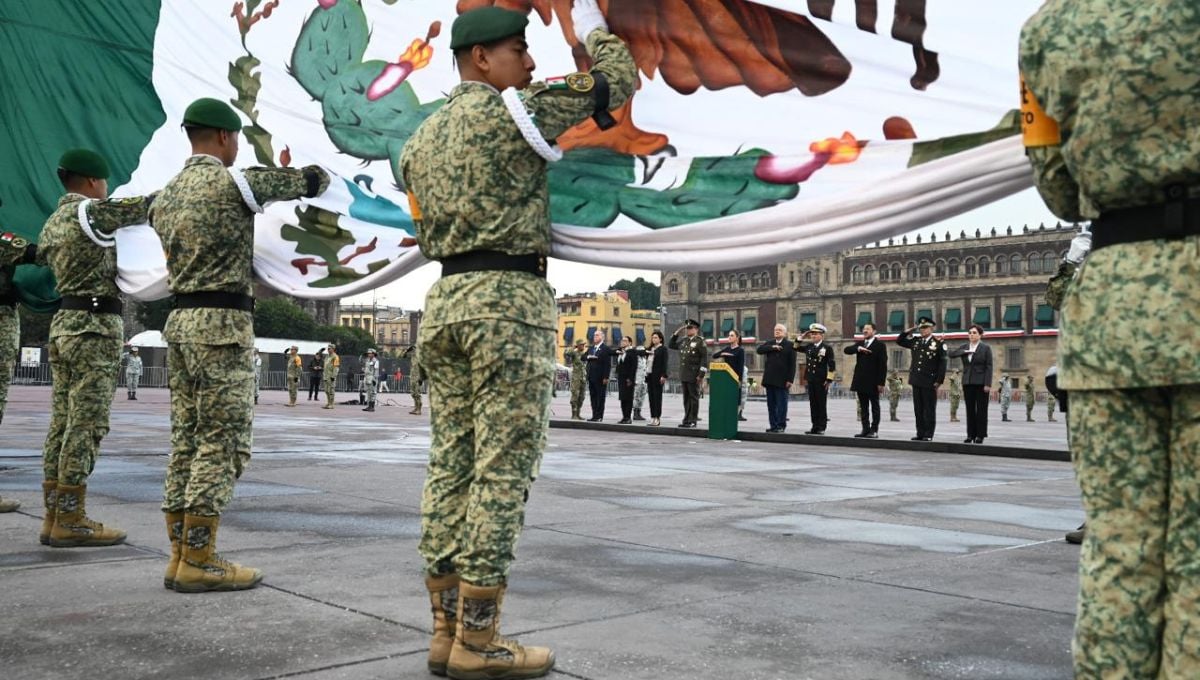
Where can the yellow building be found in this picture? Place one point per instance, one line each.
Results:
(610, 312)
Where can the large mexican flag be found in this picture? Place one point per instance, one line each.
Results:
(762, 130)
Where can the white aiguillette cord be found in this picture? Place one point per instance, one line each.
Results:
(85, 224)
(243, 185)
(520, 115)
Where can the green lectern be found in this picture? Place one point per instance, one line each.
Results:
(725, 389)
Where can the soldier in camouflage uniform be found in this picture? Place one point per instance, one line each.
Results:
(639, 382)
(133, 372)
(575, 359)
(416, 378)
(370, 370)
(1122, 80)
(257, 373)
(329, 374)
(295, 368)
(955, 380)
(205, 218)
(1051, 403)
(477, 182)
(78, 245)
(1030, 400)
(895, 390)
(14, 250)
(1005, 396)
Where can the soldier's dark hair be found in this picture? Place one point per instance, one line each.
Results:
(869, 324)
(196, 133)
(976, 327)
(464, 53)
(739, 336)
(661, 338)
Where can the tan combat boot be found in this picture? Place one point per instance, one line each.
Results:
(443, 600)
(50, 503)
(175, 534)
(72, 527)
(201, 569)
(479, 653)
(9, 506)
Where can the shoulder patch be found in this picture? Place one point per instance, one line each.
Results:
(10, 239)
(582, 83)
(132, 200)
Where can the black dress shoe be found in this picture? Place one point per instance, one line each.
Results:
(917, 439)
(861, 434)
(814, 432)
(772, 429)
(979, 440)
(687, 425)
(872, 435)
(742, 419)
(593, 420)
(969, 440)
(625, 421)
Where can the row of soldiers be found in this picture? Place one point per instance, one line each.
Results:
(955, 394)
(204, 217)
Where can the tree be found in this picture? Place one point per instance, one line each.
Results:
(350, 342)
(279, 317)
(642, 293)
(153, 315)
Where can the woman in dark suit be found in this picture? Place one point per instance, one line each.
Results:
(976, 358)
(656, 377)
(735, 356)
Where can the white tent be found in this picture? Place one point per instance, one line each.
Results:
(265, 345)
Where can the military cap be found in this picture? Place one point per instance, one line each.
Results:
(84, 162)
(133, 349)
(925, 321)
(485, 25)
(580, 341)
(371, 350)
(818, 328)
(692, 322)
(207, 112)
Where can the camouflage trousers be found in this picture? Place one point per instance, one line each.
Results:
(639, 395)
(893, 404)
(293, 385)
(132, 378)
(329, 382)
(84, 371)
(10, 339)
(415, 391)
(212, 414)
(369, 388)
(578, 393)
(1004, 403)
(1137, 458)
(955, 399)
(491, 406)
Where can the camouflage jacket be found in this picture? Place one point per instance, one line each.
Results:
(1119, 77)
(574, 360)
(476, 184)
(80, 265)
(207, 232)
(14, 250)
(295, 366)
(415, 374)
(333, 363)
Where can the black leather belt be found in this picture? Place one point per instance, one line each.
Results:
(1177, 217)
(493, 261)
(96, 304)
(213, 299)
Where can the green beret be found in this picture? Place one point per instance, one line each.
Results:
(212, 113)
(84, 162)
(485, 25)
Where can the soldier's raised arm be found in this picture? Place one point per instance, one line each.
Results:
(285, 184)
(104, 218)
(560, 104)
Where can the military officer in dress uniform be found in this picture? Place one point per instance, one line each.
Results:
(78, 244)
(205, 219)
(476, 175)
(1121, 78)
(693, 367)
(819, 368)
(926, 373)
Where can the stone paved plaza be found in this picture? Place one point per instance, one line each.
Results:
(644, 556)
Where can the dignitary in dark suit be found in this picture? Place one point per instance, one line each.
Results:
(779, 369)
(818, 374)
(656, 376)
(693, 365)
(926, 373)
(627, 360)
(734, 355)
(599, 366)
(870, 374)
(976, 358)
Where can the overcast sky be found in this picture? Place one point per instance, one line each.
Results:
(572, 277)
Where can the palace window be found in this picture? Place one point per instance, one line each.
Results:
(856, 274)
(924, 268)
(953, 266)
(1049, 263)
(673, 286)
(985, 266)
(969, 266)
(912, 271)
(1014, 264)
(939, 269)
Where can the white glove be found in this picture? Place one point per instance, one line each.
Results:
(1081, 245)
(587, 17)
